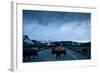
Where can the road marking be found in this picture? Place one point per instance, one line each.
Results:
(73, 55)
(43, 51)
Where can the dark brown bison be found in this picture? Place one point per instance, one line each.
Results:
(27, 53)
(58, 51)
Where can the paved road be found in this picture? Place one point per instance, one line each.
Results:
(47, 56)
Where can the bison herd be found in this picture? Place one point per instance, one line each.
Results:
(33, 53)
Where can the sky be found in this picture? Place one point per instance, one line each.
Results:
(57, 26)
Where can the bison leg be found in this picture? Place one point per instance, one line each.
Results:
(24, 58)
(28, 57)
(57, 56)
(52, 52)
(64, 53)
(37, 56)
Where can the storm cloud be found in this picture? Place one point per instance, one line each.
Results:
(57, 26)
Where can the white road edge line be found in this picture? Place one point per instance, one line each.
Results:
(73, 55)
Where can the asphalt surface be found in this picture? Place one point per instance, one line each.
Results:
(47, 56)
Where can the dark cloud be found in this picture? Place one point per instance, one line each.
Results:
(49, 25)
(45, 17)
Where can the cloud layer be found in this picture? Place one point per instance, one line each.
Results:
(57, 26)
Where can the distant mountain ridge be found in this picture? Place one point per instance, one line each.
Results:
(34, 43)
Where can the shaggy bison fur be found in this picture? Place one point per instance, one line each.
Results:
(58, 51)
(30, 52)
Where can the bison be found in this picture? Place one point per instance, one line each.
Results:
(58, 51)
(30, 52)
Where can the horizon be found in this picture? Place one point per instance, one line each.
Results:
(60, 40)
